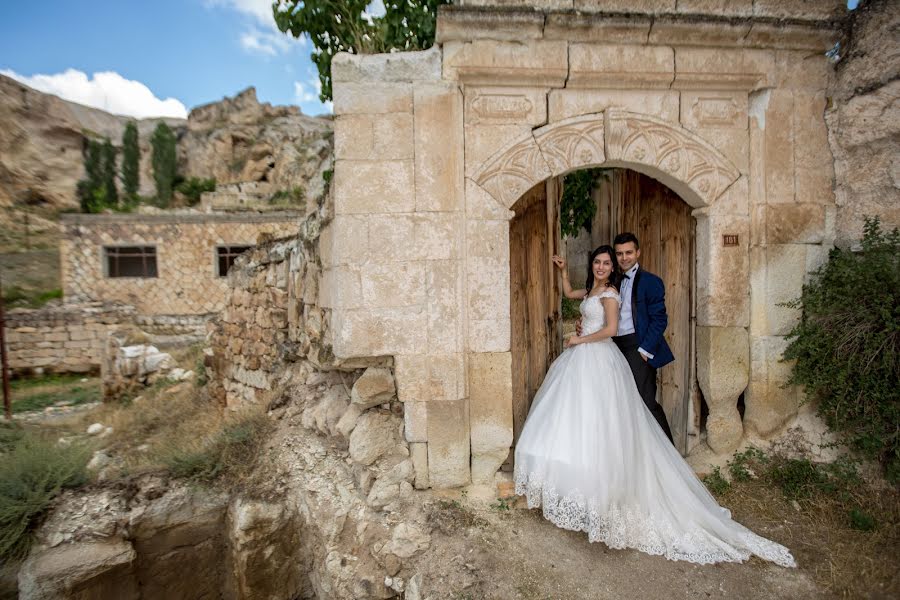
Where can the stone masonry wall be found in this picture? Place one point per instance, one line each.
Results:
(864, 121)
(187, 282)
(62, 339)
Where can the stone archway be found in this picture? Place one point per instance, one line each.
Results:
(678, 158)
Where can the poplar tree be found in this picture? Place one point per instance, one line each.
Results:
(131, 155)
(164, 163)
(90, 189)
(111, 193)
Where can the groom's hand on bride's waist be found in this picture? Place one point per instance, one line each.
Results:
(578, 326)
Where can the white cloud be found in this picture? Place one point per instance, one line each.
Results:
(374, 10)
(107, 90)
(261, 10)
(302, 94)
(264, 38)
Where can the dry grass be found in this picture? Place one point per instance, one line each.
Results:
(848, 562)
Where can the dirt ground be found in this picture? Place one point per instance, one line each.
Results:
(516, 554)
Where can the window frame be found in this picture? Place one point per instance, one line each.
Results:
(106, 258)
(217, 257)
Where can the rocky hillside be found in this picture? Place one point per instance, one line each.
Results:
(235, 140)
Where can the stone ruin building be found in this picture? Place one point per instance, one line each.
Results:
(431, 259)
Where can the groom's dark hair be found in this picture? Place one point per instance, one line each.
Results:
(624, 238)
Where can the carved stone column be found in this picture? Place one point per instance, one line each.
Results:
(723, 372)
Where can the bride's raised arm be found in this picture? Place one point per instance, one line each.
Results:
(560, 262)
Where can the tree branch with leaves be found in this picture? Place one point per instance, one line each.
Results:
(344, 26)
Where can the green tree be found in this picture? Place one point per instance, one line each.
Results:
(131, 155)
(164, 163)
(847, 344)
(342, 26)
(87, 188)
(577, 206)
(111, 193)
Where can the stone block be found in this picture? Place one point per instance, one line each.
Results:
(733, 201)
(813, 10)
(393, 285)
(488, 239)
(795, 223)
(809, 37)
(375, 386)
(505, 106)
(439, 141)
(785, 274)
(733, 143)
(813, 161)
(496, 25)
(677, 31)
(608, 29)
(375, 435)
(340, 287)
(438, 236)
(723, 69)
(342, 239)
(770, 403)
(367, 187)
(424, 65)
(802, 70)
(418, 453)
(490, 412)
(628, 6)
(723, 272)
(620, 66)
(488, 292)
(778, 146)
(481, 205)
(489, 336)
(448, 444)
(444, 304)
(485, 142)
(536, 63)
(386, 136)
(389, 238)
(723, 373)
(372, 98)
(567, 103)
(378, 332)
(429, 377)
(415, 421)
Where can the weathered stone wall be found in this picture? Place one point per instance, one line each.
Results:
(188, 282)
(433, 148)
(864, 121)
(62, 339)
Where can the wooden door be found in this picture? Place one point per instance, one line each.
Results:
(536, 337)
(661, 220)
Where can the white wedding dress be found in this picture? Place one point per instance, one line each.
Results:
(592, 455)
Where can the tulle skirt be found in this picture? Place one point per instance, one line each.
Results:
(594, 458)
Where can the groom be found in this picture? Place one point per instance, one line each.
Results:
(642, 321)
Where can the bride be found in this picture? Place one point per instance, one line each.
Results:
(594, 457)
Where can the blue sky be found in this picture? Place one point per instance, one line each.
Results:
(155, 57)
(190, 51)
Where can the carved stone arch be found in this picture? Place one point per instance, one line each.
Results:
(678, 158)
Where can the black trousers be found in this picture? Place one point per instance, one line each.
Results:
(644, 377)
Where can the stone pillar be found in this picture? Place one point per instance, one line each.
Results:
(490, 412)
(723, 374)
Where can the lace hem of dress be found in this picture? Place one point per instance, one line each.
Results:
(624, 527)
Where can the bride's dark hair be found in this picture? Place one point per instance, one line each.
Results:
(614, 276)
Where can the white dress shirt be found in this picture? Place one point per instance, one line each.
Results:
(626, 319)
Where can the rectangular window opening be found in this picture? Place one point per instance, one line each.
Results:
(226, 255)
(131, 261)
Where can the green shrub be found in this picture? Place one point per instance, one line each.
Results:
(570, 309)
(193, 187)
(229, 452)
(715, 483)
(861, 520)
(801, 479)
(33, 471)
(847, 345)
(740, 466)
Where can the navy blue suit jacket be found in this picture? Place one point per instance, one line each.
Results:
(648, 309)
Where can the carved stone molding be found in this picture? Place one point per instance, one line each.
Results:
(674, 155)
(572, 143)
(678, 153)
(514, 171)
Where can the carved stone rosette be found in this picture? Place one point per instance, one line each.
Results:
(513, 171)
(636, 138)
(573, 143)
